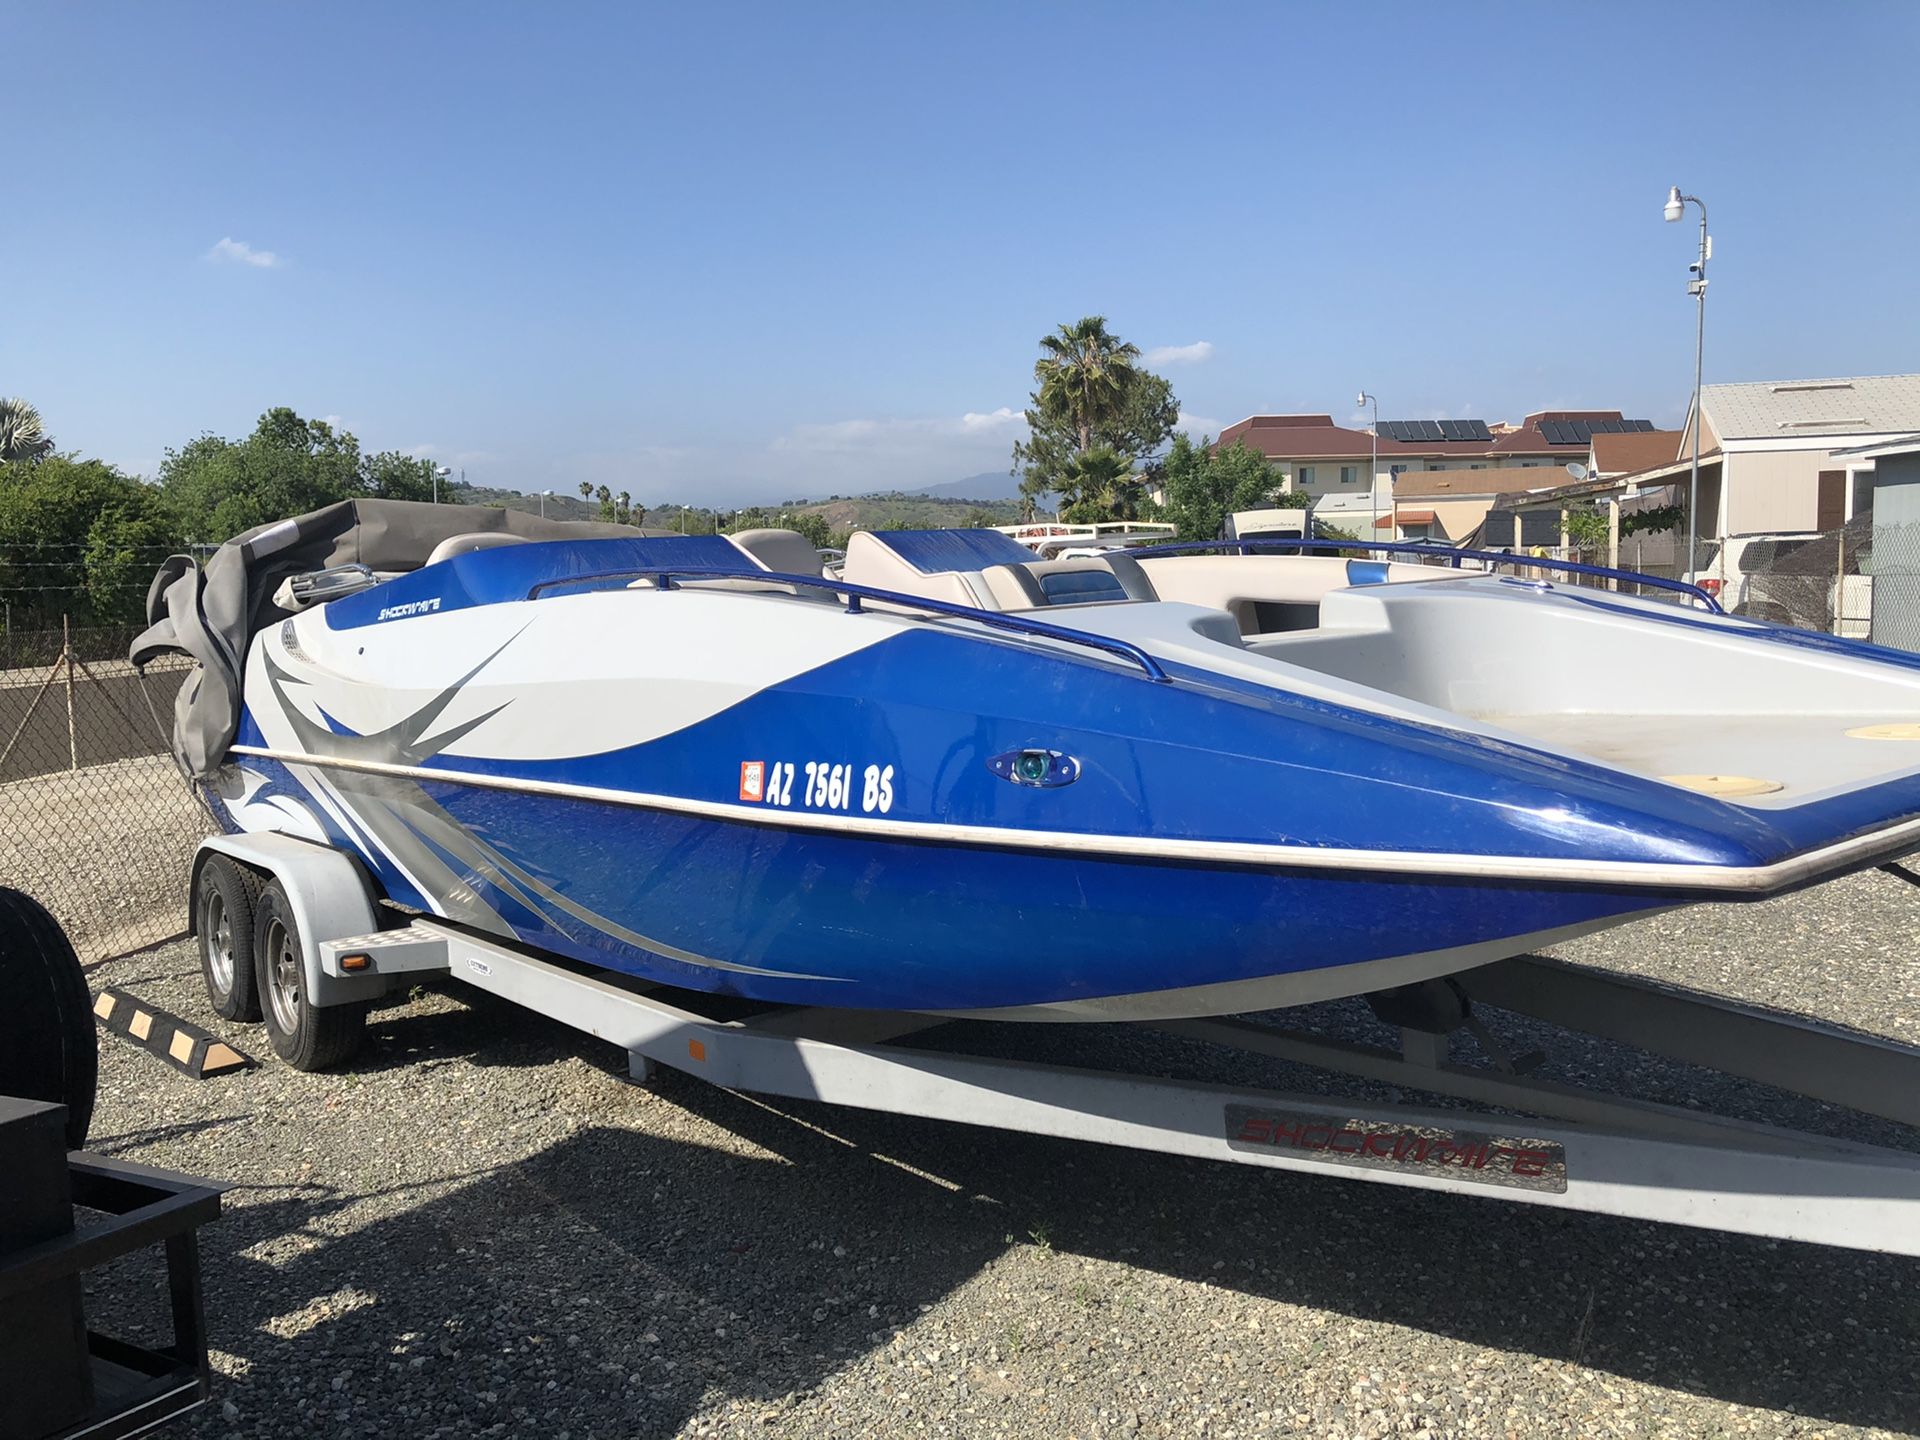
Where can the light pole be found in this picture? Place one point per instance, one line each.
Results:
(440, 472)
(1676, 207)
(1373, 470)
(543, 503)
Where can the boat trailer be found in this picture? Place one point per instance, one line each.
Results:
(1499, 1132)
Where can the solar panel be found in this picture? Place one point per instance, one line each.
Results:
(1430, 430)
(1641, 425)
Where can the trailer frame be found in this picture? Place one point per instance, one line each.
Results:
(1491, 1130)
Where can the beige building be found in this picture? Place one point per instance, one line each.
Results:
(1435, 479)
(1768, 450)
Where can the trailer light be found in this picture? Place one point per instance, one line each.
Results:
(697, 1049)
(356, 962)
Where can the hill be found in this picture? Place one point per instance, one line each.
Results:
(900, 510)
(559, 507)
(892, 510)
(990, 485)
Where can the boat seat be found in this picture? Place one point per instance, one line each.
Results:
(474, 540)
(786, 552)
(1084, 580)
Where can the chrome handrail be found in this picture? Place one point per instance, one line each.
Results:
(664, 576)
(1573, 567)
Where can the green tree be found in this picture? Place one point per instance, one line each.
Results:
(78, 538)
(22, 436)
(813, 525)
(1204, 484)
(287, 466)
(1090, 394)
(1100, 484)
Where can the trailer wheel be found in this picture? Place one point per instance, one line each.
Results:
(47, 1045)
(225, 897)
(305, 1035)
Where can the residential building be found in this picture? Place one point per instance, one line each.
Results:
(1769, 450)
(1892, 471)
(1436, 478)
(1776, 457)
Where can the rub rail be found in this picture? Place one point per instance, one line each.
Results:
(1429, 552)
(664, 578)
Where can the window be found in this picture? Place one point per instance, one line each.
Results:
(1304, 475)
(1349, 474)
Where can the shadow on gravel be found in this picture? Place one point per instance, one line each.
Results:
(620, 1282)
(481, 1029)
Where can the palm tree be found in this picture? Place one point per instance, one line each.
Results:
(21, 435)
(1084, 375)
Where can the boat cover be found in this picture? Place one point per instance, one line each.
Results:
(210, 613)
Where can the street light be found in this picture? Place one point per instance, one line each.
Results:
(1676, 207)
(1373, 471)
(543, 503)
(440, 472)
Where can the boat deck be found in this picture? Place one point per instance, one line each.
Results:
(1796, 757)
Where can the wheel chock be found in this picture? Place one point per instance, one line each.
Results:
(186, 1047)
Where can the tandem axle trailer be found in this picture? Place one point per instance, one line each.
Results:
(321, 947)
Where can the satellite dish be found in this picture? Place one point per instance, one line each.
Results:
(1576, 470)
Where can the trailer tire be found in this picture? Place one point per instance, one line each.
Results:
(48, 1050)
(305, 1035)
(226, 896)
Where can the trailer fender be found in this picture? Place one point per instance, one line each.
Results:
(331, 896)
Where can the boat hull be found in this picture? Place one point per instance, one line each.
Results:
(820, 918)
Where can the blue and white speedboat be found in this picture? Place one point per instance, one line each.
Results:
(957, 779)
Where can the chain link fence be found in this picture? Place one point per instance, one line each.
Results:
(96, 820)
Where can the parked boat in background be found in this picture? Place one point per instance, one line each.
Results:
(1055, 540)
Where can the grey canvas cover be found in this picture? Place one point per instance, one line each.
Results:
(210, 613)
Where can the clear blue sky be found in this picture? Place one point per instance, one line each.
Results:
(719, 253)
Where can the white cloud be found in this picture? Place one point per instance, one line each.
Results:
(901, 435)
(240, 253)
(1198, 425)
(993, 419)
(1180, 354)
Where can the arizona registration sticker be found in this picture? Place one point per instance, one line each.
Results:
(753, 779)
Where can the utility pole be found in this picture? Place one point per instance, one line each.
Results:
(1676, 207)
(1373, 471)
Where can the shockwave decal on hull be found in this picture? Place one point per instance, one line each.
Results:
(793, 906)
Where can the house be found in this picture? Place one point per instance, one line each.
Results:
(1891, 470)
(1436, 478)
(1627, 453)
(1769, 450)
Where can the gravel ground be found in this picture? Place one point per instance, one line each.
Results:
(484, 1229)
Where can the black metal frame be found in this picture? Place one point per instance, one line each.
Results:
(148, 1207)
(1449, 552)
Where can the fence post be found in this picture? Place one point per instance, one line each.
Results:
(66, 654)
(1840, 581)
